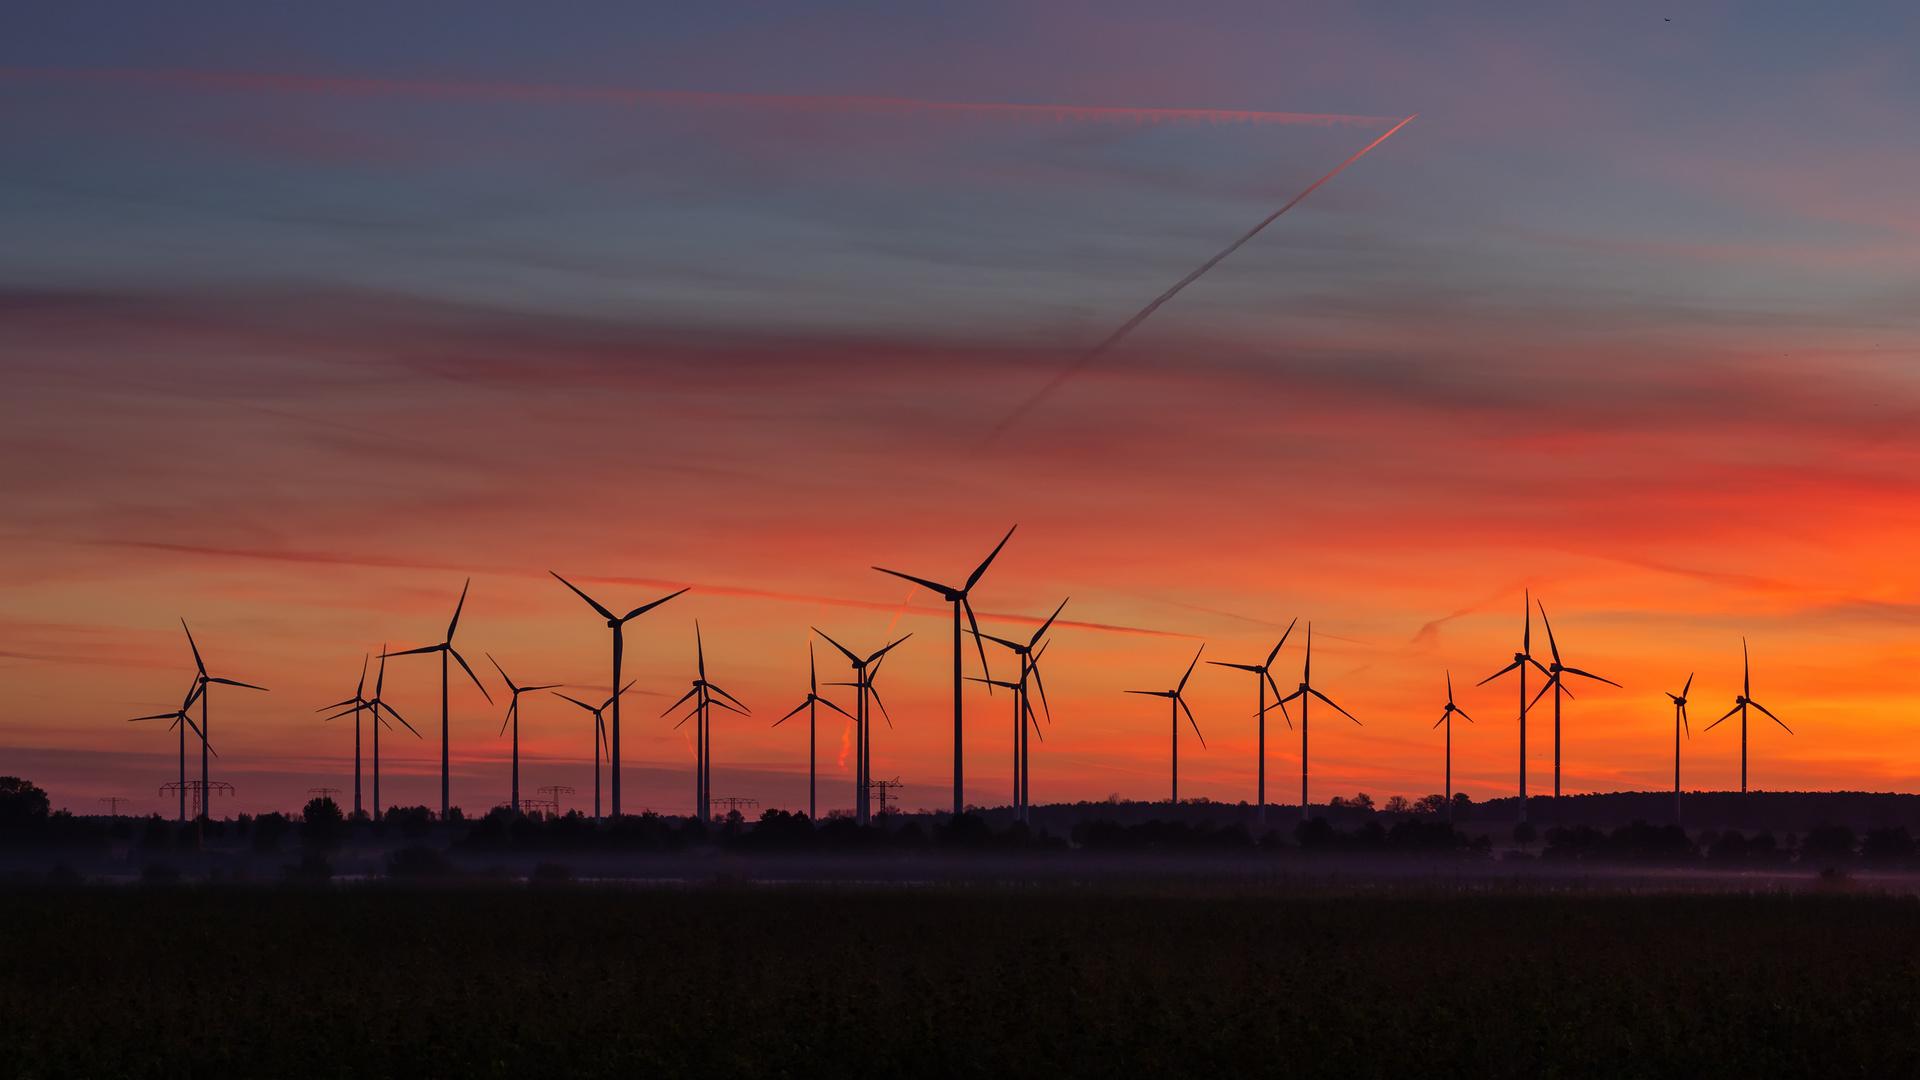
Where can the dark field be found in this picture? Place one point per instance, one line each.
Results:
(585, 981)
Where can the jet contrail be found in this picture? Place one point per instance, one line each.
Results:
(244, 82)
(1114, 338)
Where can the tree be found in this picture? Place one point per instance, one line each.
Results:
(1398, 804)
(322, 824)
(23, 806)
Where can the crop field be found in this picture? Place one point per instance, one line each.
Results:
(574, 980)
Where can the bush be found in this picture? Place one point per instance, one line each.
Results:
(267, 830)
(1887, 845)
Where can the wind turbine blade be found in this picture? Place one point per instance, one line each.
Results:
(1463, 712)
(728, 696)
(1014, 645)
(1716, 723)
(1283, 640)
(197, 662)
(1114, 338)
(1689, 686)
(1035, 640)
(1442, 720)
(1770, 715)
(503, 674)
(591, 602)
(1551, 643)
(974, 578)
(412, 652)
(682, 701)
(1182, 702)
(403, 722)
(967, 606)
(1589, 675)
(644, 608)
(727, 707)
(1040, 685)
(470, 674)
(886, 650)
(1449, 687)
(1683, 722)
(835, 708)
(457, 608)
(1285, 713)
(796, 710)
(1242, 667)
(1283, 701)
(1274, 686)
(338, 704)
(230, 682)
(1195, 663)
(1552, 681)
(1746, 669)
(511, 709)
(1330, 701)
(699, 651)
(155, 716)
(1150, 693)
(848, 652)
(922, 582)
(530, 689)
(1539, 667)
(1499, 673)
(578, 702)
(874, 692)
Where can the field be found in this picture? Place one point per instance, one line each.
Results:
(576, 980)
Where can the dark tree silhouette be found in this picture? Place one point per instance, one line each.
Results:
(322, 825)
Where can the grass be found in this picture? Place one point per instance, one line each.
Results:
(584, 981)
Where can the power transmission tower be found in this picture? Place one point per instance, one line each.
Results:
(553, 793)
(737, 804)
(114, 801)
(196, 791)
(323, 792)
(880, 788)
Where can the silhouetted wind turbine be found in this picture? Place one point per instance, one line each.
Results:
(513, 717)
(1023, 707)
(1521, 660)
(600, 737)
(375, 705)
(1262, 680)
(1740, 703)
(356, 704)
(1446, 717)
(958, 598)
(1306, 693)
(206, 791)
(863, 671)
(813, 699)
(1555, 671)
(445, 649)
(703, 701)
(1679, 722)
(1177, 703)
(618, 625)
(183, 721)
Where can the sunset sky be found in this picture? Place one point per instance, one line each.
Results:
(309, 314)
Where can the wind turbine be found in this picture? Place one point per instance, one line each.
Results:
(182, 720)
(1446, 717)
(958, 598)
(357, 703)
(1262, 680)
(616, 623)
(1306, 693)
(373, 705)
(1176, 702)
(445, 649)
(599, 737)
(1679, 722)
(813, 699)
(1521, 660)
(1740, 703)
(1022, 707)
(1024, 719)
(1554, 673)
(702, 714)
(513, 717)
(205, 680)
(863, 672)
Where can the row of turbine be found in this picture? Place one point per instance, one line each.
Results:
(705, 696)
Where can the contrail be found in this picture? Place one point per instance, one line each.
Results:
(1114, 338)
(243, 82)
